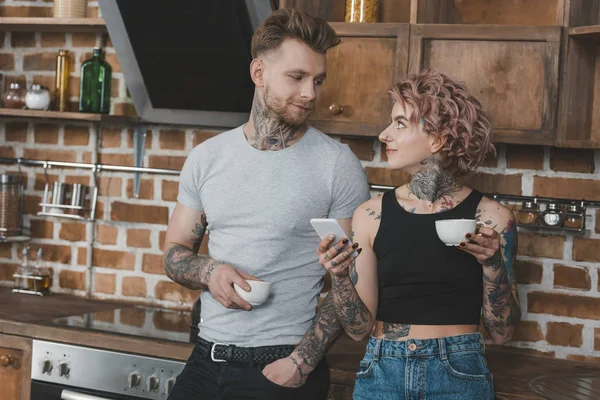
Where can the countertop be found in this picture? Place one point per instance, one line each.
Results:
(513, 369)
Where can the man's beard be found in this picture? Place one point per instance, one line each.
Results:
(278, 109)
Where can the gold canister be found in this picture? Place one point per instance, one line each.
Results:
(63, 70)
(362, 10)
(70, 9)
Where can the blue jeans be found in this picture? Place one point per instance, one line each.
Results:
(448, 368)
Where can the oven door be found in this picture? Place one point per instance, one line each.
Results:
(51, 391)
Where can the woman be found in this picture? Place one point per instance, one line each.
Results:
(420, 300)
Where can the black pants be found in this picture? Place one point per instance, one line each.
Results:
(205, 379)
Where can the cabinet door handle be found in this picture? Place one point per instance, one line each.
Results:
(336, 109)
(6, 360)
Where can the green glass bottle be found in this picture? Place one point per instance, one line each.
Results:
(94, 90)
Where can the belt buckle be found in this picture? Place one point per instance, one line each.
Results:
(212, 353)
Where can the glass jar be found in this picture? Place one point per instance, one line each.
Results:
(573, 218)
(528, 214)
(38, 97)
(552, 216)
(94, 90)
(63, 70)
(362, 10)
(11, 203)
(14, 97)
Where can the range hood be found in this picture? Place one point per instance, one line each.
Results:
(186, 62)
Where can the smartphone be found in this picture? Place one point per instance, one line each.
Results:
(324, 226)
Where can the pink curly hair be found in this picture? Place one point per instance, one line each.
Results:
(447, 109)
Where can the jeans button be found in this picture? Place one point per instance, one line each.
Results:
(412, 347)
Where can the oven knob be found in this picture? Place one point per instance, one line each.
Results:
(134, 380)
(152, 383)
(169, 383)
(47, 367)
(63, 369)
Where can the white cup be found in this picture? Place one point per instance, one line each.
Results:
(452, 231)
(259, 292)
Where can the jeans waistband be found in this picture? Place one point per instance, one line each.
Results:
(425, 347)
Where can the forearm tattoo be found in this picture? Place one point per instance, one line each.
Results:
(187, 268)
(433, 181)
(395, 331)
(350, 310)
(270, 132)
(321, 334)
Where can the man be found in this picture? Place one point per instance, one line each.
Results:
(255, 188)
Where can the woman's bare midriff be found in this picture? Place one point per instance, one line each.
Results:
(424, 331)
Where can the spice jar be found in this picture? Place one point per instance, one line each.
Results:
(38, 97)
(15, 96)
(573, 217)
(362, 10)
(11, 192)
(528, 214)
(552, 216)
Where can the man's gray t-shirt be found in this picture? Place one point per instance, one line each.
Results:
(258, 205)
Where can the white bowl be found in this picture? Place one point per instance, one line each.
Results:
(259, 292)
(452, 231)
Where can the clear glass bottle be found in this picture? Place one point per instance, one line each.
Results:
(63, 70)
(573, 218)
(14, 97)
(22, 273)
(552, 216)
(42, 277)
(94, 91)
(528, 214)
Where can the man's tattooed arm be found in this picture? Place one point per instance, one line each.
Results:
(185, 267)
(319, 337)
(501, 308)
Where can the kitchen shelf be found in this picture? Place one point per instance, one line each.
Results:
(585, 32)
(28, 24)
(551, 228)
(72, 116)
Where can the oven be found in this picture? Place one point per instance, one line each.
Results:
(66, 372)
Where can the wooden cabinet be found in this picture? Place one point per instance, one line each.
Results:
(360, 71)
(512, 70)
(15, 367)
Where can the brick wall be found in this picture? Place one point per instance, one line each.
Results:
(558, 274)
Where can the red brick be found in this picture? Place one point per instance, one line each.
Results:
(39, 62)
(22, 39)
(116, 159)
(384, 176)
(71, 280)
(566, 188)
(133, 316)
(109, 186)
(528, 272)
(84, 39)
(72, 231)
(76, 135)
(42, 229)
(106, 234)
(8, 152)
(202, 136)
(596, 339)
(73, 90)
(52, 39)
(493, 183)
(82, 180)
(174, 292)
(46, 133)
(7, 270)
(147, 141)
(362, 148)
(111, 138)
(25, 11)
(139, 213)
(16, 131)
(146, 189)
(528, 331)
(161, 239)
(564, 334)
(94, 12)
(153, 264)
(81, 256)
(597, 221)
(53, 253)
(586, 249)
(572, 160)
(172, 139)
(491, 160)
(138, 238)
(170, 189)
(166, 162)
(571, 277)
(5, 250)
(134, 286)
(536, 245)
(525, 157)
(113, 259)
(31, 204)
(43, 154)
(40, 181)
(7, 62)
(124, 109)
(105, 283)
(564, 305)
